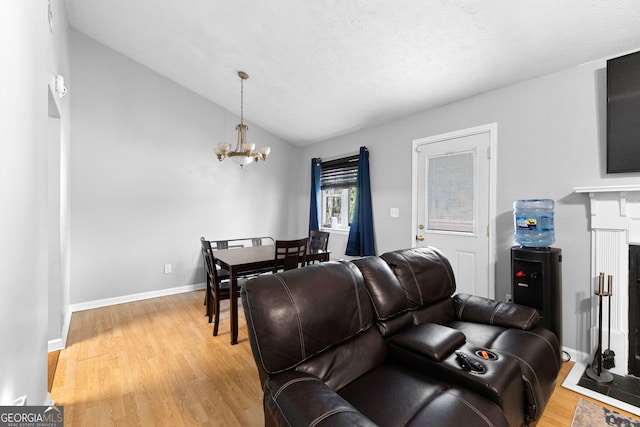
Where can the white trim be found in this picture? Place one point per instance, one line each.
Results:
(48, 401)
(56, 344)
(492, 129)
(607, 189)
(344, 231)
(134, 297)
(576, 356)
(61, 343)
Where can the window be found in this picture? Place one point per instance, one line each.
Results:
(338, 184)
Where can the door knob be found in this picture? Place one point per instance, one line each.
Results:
(419, 238)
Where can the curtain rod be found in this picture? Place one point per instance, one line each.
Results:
(328, 159)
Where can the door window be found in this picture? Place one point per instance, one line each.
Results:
(450, 192)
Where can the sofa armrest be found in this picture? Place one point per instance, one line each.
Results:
(483, 310)
(298, 399)
(429, 339)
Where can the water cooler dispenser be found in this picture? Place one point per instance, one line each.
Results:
(536, 281)
(536, 274)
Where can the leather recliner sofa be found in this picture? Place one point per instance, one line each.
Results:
(384, 341)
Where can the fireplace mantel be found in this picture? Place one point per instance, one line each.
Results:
(615, 208)
(614, 225)
(607, 189)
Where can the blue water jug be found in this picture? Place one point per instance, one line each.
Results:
(533, 222)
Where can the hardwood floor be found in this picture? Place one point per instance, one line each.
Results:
(155, 362)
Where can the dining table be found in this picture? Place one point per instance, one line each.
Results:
(251, 260)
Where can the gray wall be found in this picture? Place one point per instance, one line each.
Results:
(145, 182)
(551, 133)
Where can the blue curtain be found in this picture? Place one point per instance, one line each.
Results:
(314, 206)
(361, 241)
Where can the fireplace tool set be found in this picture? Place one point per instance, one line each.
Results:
(606, 359)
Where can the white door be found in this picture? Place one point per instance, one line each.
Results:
(454, 203)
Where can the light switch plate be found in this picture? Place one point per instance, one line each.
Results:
(395, 213)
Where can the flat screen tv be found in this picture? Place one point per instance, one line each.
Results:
(623, 114)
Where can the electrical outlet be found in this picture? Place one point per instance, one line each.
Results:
(167, 268)
(507, 298)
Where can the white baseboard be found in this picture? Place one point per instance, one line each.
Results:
(134, 297)
(575, 355)
(56, 344)
(60, 343)
(48, 401)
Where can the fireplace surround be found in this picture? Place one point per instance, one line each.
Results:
(615, 234)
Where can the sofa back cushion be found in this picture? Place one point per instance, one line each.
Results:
(295, 315)
(424, 273)
(392, 309)
(339, 365)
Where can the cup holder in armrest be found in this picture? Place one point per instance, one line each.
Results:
(485, 354)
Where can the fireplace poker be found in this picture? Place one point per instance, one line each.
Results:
(608, 357)
(595, 372)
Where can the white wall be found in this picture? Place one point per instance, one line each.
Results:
(551, 136)
(23, 222)
(146, 185)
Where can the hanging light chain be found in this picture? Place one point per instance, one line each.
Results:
(241, 100)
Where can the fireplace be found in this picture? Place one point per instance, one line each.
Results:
(634, 310)
(615, 250)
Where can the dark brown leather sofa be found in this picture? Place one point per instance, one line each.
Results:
(374, 342)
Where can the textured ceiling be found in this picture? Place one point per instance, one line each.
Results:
(320, 68)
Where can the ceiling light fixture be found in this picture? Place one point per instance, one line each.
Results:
(243, 154)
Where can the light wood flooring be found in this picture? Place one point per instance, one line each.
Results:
(155, 362)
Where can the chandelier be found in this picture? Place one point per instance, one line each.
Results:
(244, 152)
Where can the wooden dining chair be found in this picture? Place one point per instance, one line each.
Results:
(259, 241)
(221, 244)
(217, 289)
(222, 273)
(290, 254)
(318, 241)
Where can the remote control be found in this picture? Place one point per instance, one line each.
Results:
(470, 363)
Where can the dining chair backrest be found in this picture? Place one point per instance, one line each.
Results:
(217, 285)
(259, 241)
(242, 242)
(318, 240)
(209, 264)
(221, 244)
(290, 254)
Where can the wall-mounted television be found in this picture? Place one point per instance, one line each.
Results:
(623, 114)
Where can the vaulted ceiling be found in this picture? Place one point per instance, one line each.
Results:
(321, 68)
